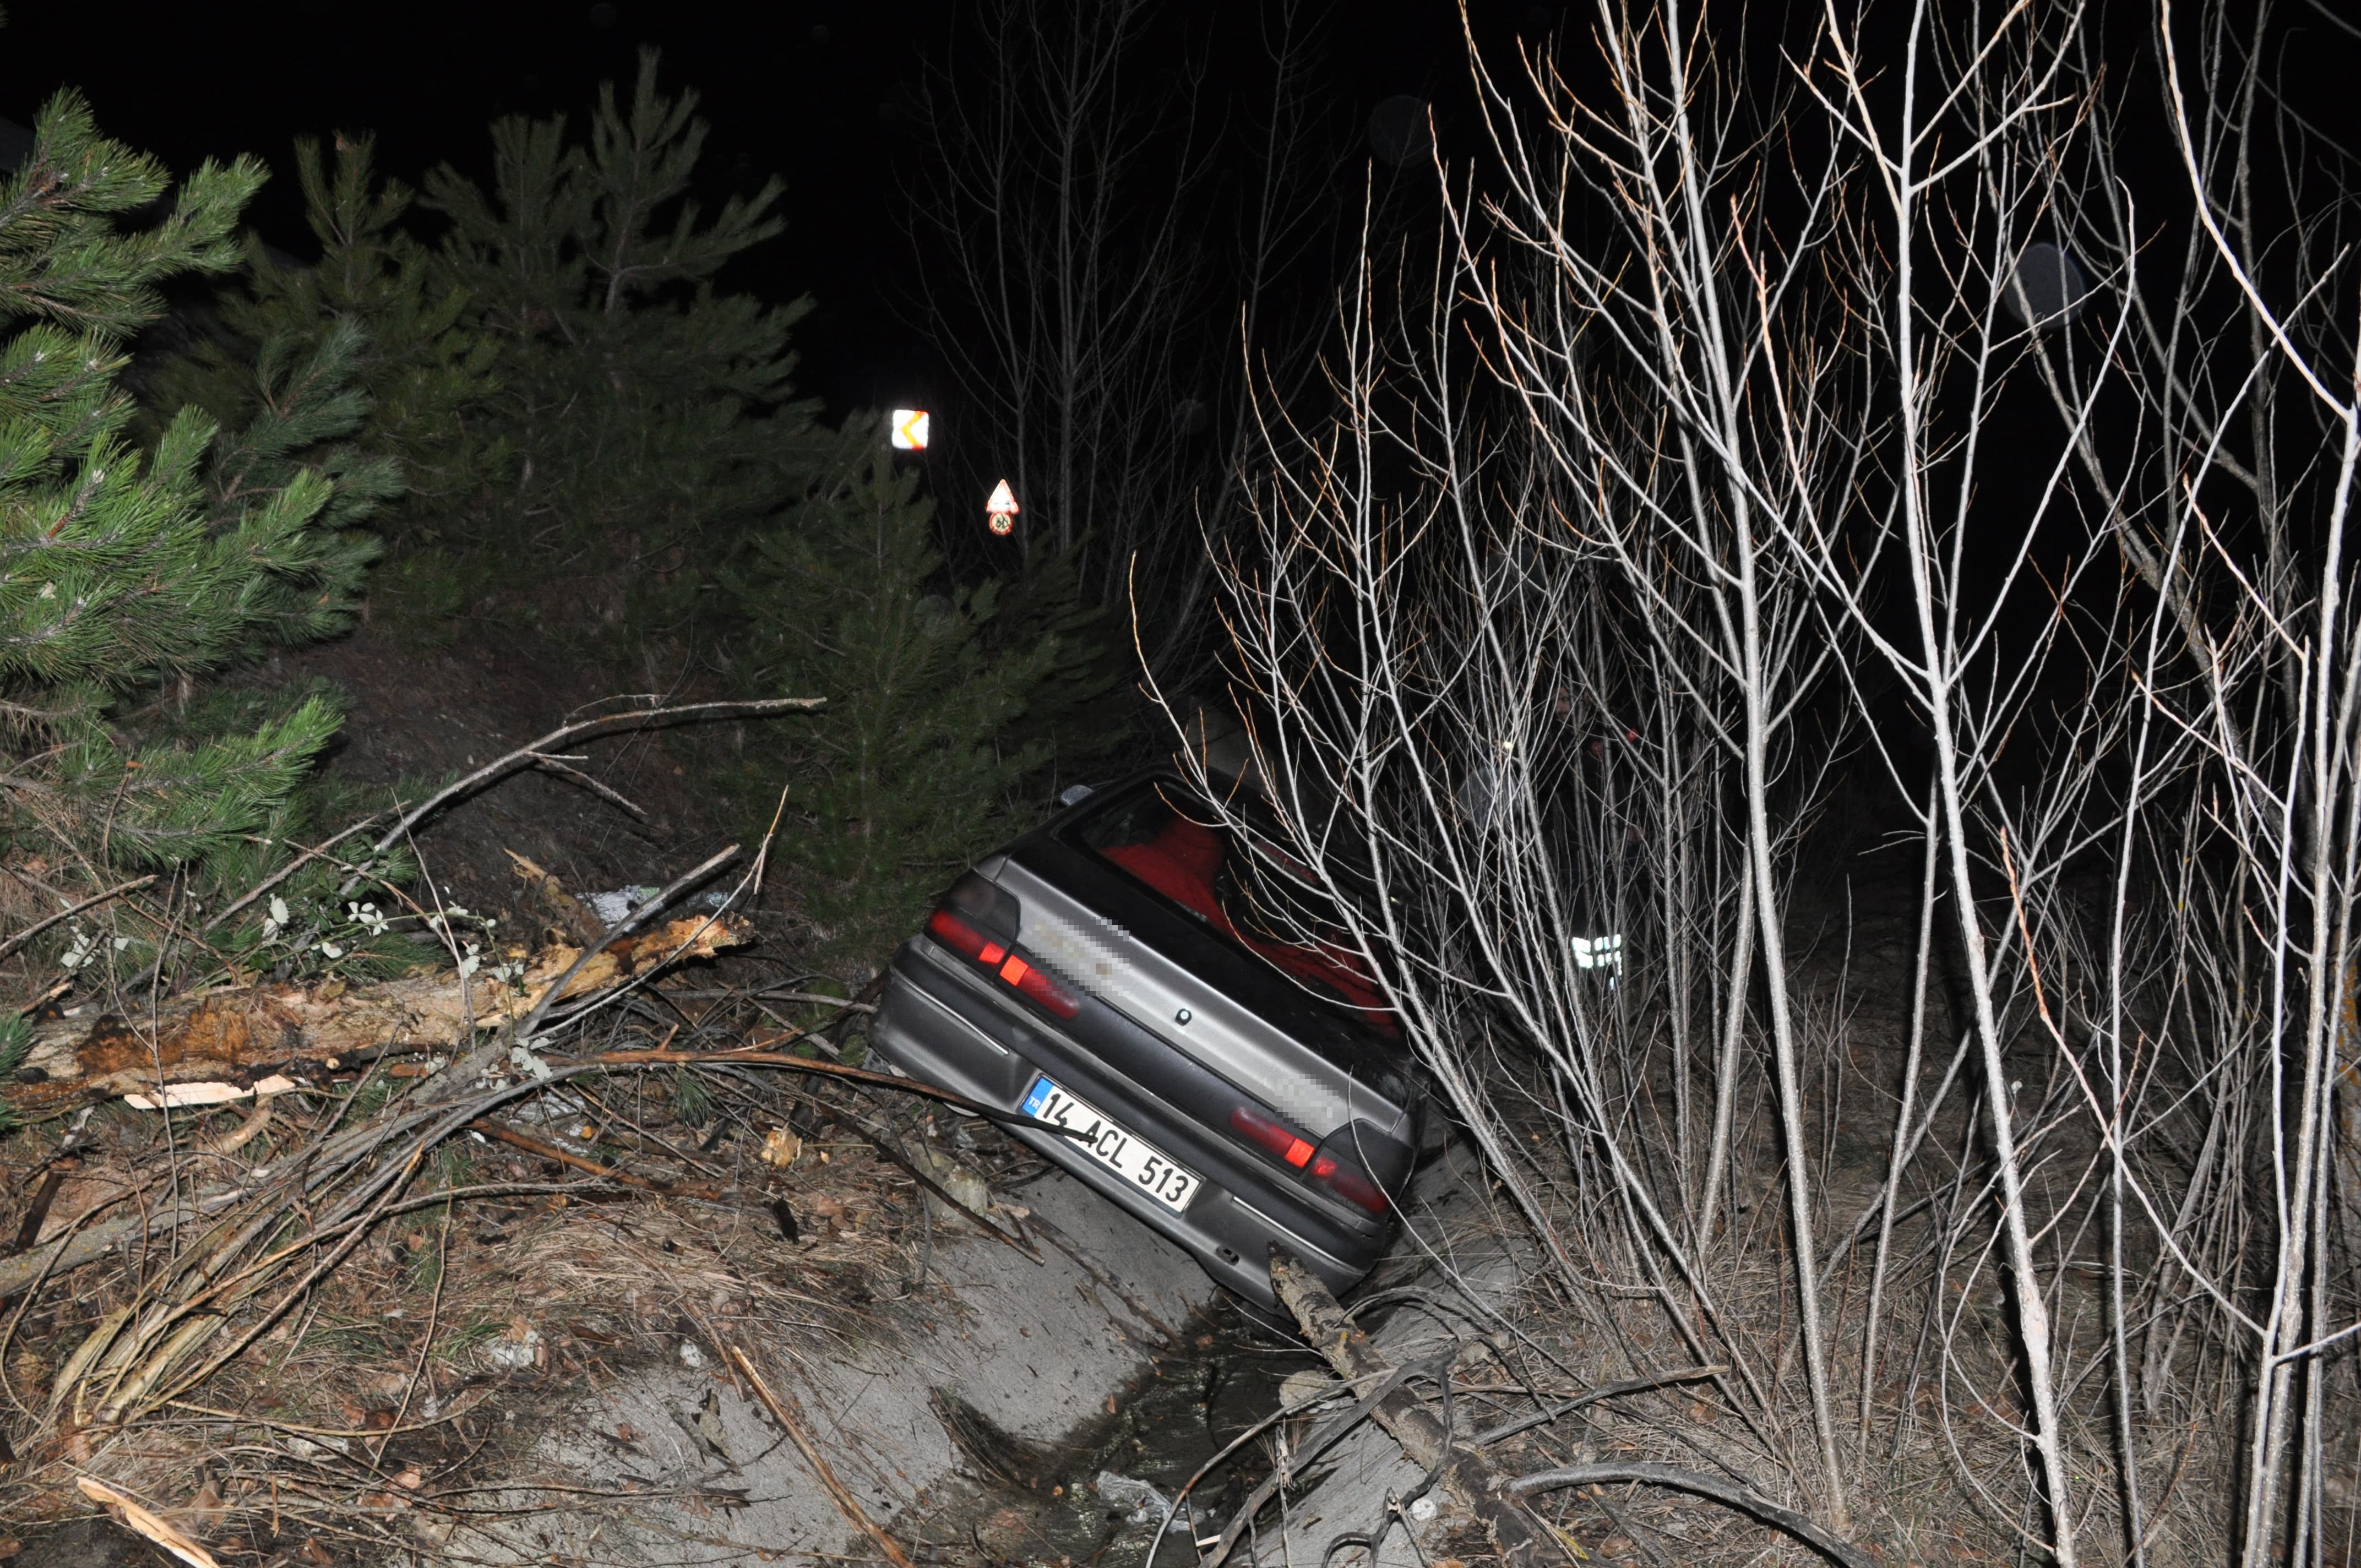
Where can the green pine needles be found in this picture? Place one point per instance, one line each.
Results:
(652, 414)
(379, 304)
(914, 765)
(130, 565)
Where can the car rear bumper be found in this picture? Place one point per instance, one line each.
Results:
(934, 1024)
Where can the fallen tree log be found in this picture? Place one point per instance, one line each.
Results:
(237, 1042)
(1521, 1539)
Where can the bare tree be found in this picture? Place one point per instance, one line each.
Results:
(1729, 417)
(1100, 285)
(2242, 355)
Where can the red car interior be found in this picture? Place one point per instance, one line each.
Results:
(1183, 862)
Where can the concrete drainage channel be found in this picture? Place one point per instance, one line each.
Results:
(976, 1424)
(1043, 1413)
(1098, 1493)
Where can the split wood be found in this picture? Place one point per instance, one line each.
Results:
(162, 1531)
(87, 1244)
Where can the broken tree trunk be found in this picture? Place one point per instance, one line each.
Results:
(1521, 1539)
(262, 1040)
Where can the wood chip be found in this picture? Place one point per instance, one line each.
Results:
(138, 1519)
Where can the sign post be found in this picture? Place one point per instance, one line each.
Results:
(1000, 510)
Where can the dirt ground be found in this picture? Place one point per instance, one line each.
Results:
(399, 1407)
(421, 713)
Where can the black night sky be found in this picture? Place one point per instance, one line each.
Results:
(805, 89)
(809, 90)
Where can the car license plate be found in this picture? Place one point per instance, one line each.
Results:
(1114, 1145)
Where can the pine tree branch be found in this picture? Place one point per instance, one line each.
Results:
(289, 869)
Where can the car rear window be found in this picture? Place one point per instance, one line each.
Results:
(1172, 842)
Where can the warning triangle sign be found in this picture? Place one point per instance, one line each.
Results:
(1000, 511)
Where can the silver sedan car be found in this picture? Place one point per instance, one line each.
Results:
(1120, 972)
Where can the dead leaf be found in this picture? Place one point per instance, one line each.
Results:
(781, 1148)
(87, 1191)
(705, 1430)
(410, 1480)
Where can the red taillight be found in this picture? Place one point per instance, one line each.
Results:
(1029, 979)
(1349, 1184)
(956, 935)
(1285, 1143)
(1273, 1134)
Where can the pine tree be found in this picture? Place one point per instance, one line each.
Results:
(1079, 710)
(662, 451)
(653, 416)
(381, 294)
(910, 769)
(128, 568)
(613, 418)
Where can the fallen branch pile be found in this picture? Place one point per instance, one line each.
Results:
(1429, 1437)
(1425, 1437)
(240, 1041)
(219, 1176)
